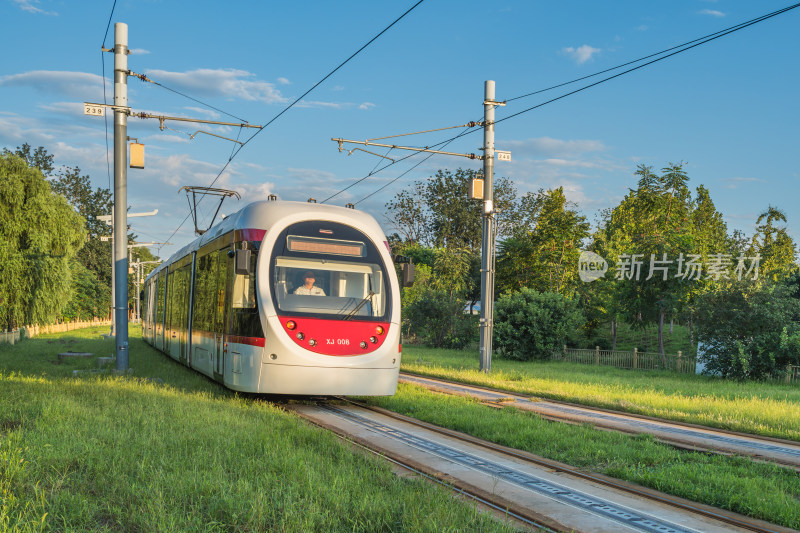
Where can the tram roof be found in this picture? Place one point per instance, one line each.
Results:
(265, 213)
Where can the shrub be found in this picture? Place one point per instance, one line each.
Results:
(530, 325)
(438, 319)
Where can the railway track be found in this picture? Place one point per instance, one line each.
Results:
(530, 490)
(688, 436)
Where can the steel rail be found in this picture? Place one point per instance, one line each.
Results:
(727, 517)
(678, 443)
(506, 511)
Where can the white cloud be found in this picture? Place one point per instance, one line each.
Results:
(78, 85)
(284, 81)
(571, 163)
(317, 103)
(203, 111)
(65, 108)
(733, 183)
(28, 5)
(549, 147)
(366, 105)
(226, 83)
(712, 12)
(138, 51)
(642, 27)
(582, 54)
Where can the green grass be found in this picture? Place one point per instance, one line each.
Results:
(770, 409)
(169, 450)
(755, 489)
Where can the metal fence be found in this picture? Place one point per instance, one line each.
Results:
(634, 359)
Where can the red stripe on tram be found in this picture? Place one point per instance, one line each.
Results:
(252, 341)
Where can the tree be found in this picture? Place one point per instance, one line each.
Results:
(543, 256)
(439, 212)
(89, 204)
(408, 215)
(455, 218)
(774, 244)
(38, 159)
(651, 223)
(39, 235)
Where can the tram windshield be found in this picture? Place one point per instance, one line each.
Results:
(340, 288)
(329, 277)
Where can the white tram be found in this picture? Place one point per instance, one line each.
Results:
(227, 305)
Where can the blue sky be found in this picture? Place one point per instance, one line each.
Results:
(727, 109)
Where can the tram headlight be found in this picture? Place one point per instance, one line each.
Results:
(300, 336)
(312, 342)
(379, 330)
(291, 324)
(373, 339)
(363, 344)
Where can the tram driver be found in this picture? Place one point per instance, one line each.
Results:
(308, 286)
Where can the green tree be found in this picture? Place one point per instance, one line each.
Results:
(543, 256)
(651, 225)
(439, 212)
(775, 246)
(39, 235)
(38, 159)
(407, 214)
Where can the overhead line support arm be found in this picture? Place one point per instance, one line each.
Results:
(411, 148)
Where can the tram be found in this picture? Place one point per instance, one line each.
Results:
(281, 297)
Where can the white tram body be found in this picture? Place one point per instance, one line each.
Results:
(225, 305)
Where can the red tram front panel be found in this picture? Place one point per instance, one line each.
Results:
(335, 337)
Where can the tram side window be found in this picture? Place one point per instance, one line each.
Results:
(170, 303)
(160, 298)
(185, 276)
(204, 285)
(179, 298)
(245, 319)
(217, 286)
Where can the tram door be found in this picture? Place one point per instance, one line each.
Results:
(222, 303)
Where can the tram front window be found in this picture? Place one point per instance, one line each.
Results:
(338, 288)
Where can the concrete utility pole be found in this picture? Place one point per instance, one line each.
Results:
(487, 241)
(121, 194)
(487, 246)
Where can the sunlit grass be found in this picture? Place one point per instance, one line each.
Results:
(165, 449)
(771, 409)
(755, 489)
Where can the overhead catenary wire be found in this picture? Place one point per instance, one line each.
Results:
(696, 44)
(105, 97)
(736, 26)
(678, 49)
(343, 63)
(193, 99)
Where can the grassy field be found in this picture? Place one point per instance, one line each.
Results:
(755, 489)
(770, 409)
(645, 339)
(165, 449)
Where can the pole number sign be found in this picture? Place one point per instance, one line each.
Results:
(94, 110)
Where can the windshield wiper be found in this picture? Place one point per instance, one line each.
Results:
(357, 308)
